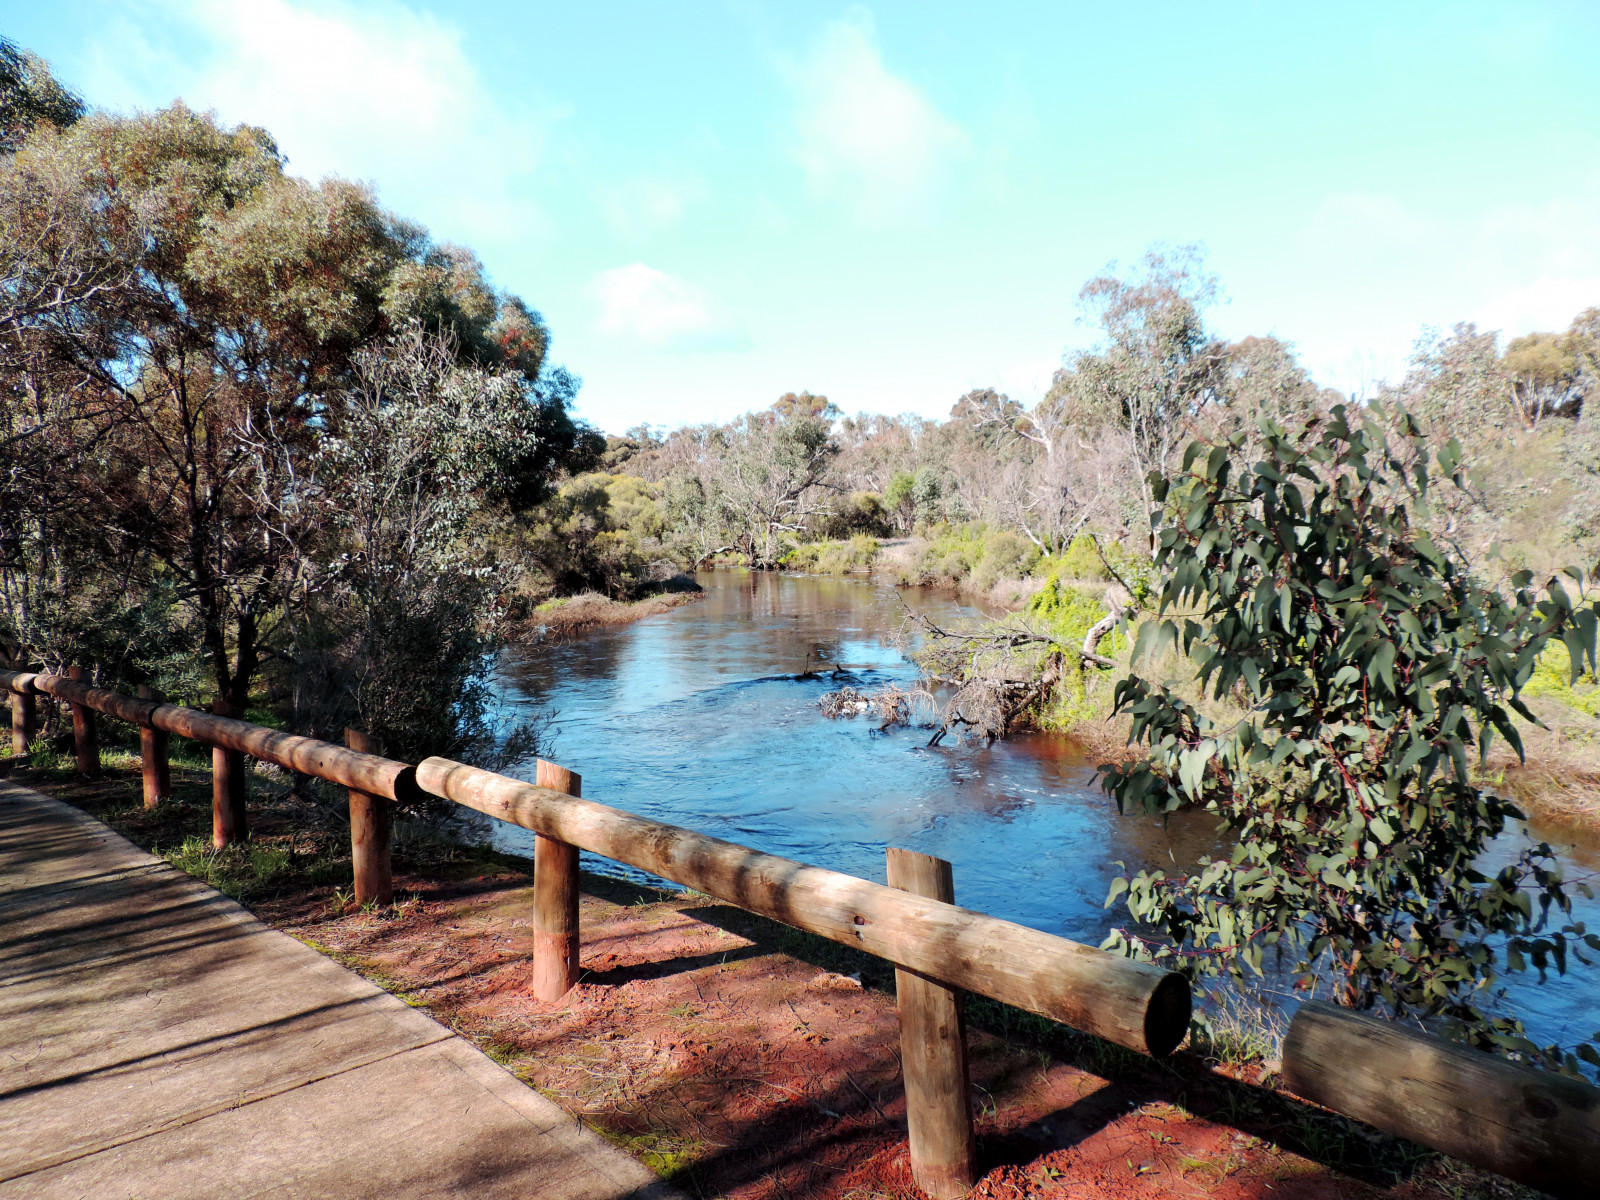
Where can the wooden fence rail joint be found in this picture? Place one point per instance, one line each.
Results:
(1133, 1004)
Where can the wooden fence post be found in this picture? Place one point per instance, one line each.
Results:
(23, 723)
(555, 898)
(156, 770)
(370, 826)
(229, 821)
(85, 737)
(933, 1051)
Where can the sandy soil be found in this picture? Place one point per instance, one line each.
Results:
(742, 1059)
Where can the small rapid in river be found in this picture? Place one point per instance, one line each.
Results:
(696, 717)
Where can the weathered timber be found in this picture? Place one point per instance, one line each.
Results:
(23, 723)
(1536, 1127)
(85, 737)
(1133, 1004)
(309, 756)
(230, 820)
(555, 897)
(371, 827)
(153, 763)
(933, 1051)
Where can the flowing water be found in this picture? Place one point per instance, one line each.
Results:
(695, 717)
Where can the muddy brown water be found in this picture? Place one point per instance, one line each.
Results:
(696, 717)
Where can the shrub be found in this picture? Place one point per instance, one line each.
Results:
(1068, 613)
(1080, 560)
(862, 513)
(1553, 676)
(976, 555)
(1369, 661)
(832, 558)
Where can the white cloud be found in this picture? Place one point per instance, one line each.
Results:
(866, 135)
(660, 310)
(1548, 303)
(381, 93)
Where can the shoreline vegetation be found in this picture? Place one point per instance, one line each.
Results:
(565, 617)
(1064, 596)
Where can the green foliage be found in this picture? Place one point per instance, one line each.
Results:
(600, 533)
(30, 94)
(1080, 560)
(1067, 614)
(852, 557)
(975, 554)
(1369, 663)
(860, 513)
(1553, 676)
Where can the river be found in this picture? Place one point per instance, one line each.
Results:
(694, 717)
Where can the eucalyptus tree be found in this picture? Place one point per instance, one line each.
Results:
(768, 472)
(1354, 666)
(191, 386)
(30, 95)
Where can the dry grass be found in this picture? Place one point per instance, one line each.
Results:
(572, 616)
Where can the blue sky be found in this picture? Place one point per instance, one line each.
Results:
(717, 203)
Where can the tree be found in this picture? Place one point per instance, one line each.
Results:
(1458, 383)
(1158, 367)
(1259, 380)
(794, 406)
(767, 470)
(177, 400)
(1367, 663)
(395, 616)
(30, 95)
(1547, 375)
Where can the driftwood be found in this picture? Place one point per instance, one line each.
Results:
(995, 680)
(892, 705)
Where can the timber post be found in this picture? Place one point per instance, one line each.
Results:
(370, 834)
(23, 723)
(555, 898)
(85, 737)
(153, 764)
(933, 1051)
(229, 821)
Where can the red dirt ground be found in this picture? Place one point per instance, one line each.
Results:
(703, 1040)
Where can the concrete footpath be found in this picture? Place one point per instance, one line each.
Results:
(157, 1041)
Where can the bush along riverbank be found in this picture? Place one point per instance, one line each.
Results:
(1045, 607)
(1331, 684)
(737, 1057)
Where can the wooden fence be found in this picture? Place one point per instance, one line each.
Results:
(1530, 1125)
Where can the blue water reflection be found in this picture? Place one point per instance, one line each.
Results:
(695, 717)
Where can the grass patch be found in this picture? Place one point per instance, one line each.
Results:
(242, 870)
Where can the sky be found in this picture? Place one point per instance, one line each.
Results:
(713, 204)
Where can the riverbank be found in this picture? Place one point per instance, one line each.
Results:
(573, 616)
(1557, 783)
(740, 1058)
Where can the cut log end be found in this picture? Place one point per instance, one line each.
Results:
(1166, 1020)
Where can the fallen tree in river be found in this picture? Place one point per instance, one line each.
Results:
(999, 674)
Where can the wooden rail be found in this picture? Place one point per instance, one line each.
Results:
(1528, 1125)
